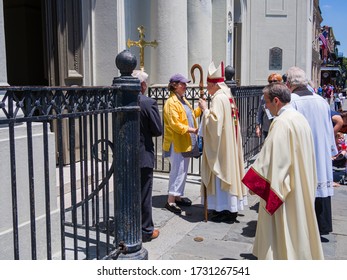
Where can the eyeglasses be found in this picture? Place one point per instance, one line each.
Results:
(273, 81)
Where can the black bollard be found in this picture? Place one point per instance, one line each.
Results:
(127, 184)
(229, 74)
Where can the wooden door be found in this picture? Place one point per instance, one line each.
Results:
(63, 51)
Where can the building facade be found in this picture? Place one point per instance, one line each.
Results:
(316, 56)
(332, 72)
(74, 42)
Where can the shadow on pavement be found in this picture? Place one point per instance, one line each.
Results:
(249, 230)
(159, 201)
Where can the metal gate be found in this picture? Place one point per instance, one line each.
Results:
(56, 211)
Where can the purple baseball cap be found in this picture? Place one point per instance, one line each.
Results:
(179, 78)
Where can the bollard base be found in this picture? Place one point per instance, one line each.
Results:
(142, 254)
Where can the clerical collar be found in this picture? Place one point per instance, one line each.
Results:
(302, 91)
(288, 106)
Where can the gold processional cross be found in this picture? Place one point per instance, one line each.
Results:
(142, 44)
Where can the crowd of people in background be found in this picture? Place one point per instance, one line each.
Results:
(332, 94)
(291, 184)
(335, 97)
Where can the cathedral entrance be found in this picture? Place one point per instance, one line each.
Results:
(44, 46)
(24, 36)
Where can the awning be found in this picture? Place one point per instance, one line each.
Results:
(327, 68)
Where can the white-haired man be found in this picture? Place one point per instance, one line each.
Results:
(317, 112)
(222, 160)
(150, 126)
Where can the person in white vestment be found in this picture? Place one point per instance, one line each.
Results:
(318, 114)
(284, 177)
(222, 161)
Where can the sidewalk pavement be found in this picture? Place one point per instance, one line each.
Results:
(189, 237)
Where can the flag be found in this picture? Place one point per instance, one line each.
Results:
(323, 39)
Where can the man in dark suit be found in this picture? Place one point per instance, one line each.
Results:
(150, 126)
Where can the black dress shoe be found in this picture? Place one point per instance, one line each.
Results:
(154, 235)
(225, 216)
(324, 240)
(184, 201)
(173, 208)
(219, 217)
(214, 213)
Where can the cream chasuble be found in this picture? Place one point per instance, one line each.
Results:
(284, 176)
(223, 153)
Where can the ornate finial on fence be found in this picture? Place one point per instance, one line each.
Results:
(229, 74)
(126, 63)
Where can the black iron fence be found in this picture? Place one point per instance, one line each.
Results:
(247, 100)
(60, 151)
(68, 161)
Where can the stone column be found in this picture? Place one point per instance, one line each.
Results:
(219, 31)
(200, 34)
(169, 28)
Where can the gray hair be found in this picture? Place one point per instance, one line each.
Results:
(141, 75)
(296, 77)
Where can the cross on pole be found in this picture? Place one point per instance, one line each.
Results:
(141, 44)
